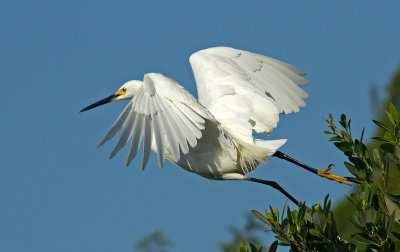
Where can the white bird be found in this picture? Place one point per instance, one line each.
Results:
(239, 92)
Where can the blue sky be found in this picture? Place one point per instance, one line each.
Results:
(60, 193)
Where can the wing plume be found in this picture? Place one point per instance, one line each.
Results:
(245, 91)
(162, 114)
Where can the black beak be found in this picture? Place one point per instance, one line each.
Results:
(101, 102)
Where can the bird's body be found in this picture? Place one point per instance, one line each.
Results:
(240, 93)
(215, 152)
(208, 158)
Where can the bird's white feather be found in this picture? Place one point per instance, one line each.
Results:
(245, 91)
(162, 109)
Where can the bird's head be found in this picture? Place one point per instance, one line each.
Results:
(126, 91)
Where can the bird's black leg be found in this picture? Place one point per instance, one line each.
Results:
(281, 155)
(323, 173)
(274, 185)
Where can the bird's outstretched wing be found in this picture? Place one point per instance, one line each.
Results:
(245, 91)
(162, 110)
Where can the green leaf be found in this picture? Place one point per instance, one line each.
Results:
(344, 146)
(285, 226)
(303, 232)
(396, 235)
(380, 139)
(363, 238)
(393, 112)
(383, 206)
(276, 213)
(284, 244)
(360, 165)
(319, 220)
(390, 223)
(377, 157)
(293, 215)
(283, 211)
(369, 195)
(390, 117)
(343, 121)
(351, 168)
(394, 192)
(356, 224)
(358, 148)
(270, 215)
(326, 200)
(243, 247)
(282, 239)
(327, 205)
(390, 157)
(388, 136)
(397, 151)
(387, 147)
(383, 126)
(273, 246)
(288, 214)
(362, 218)
(334, 138)
(314, 232)
(348, 123)
(362, 134)
(253, 247)
(261, 217)
(392, 207)
(395, 198)
(302, 212)
(334, 227)
(370, 215)
(316, 208)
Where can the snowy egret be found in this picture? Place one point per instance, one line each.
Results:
(239, 93)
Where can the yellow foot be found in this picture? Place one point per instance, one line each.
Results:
(331, 176)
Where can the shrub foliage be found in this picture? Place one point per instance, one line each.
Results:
(376, 203)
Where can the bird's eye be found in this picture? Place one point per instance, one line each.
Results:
(124, 89)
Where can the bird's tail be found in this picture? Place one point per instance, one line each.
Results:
(253, 154)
